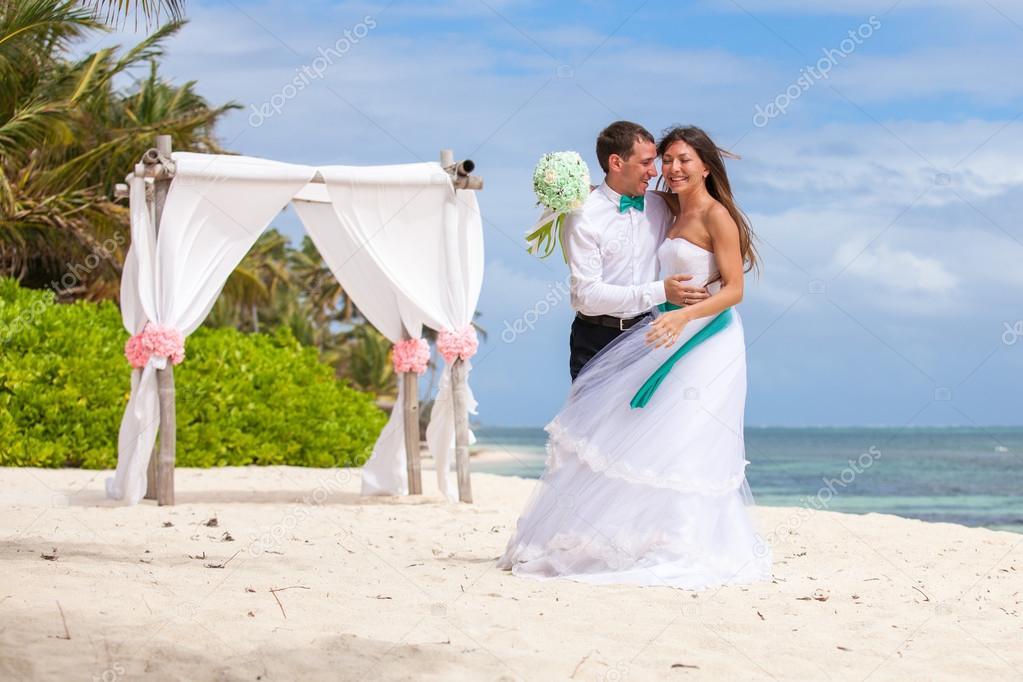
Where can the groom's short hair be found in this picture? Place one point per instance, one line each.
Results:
(618, 138)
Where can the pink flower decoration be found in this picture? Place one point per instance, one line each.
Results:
(155, 340)
(136, 353)
(411, 355)
(460, 344)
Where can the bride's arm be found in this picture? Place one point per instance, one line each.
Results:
(724, 234)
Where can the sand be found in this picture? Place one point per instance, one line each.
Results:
(301, 578)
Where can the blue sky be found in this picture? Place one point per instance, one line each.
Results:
(886, 196)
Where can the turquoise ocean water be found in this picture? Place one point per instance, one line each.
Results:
(972, 476)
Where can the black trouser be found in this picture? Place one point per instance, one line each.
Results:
(588, 339)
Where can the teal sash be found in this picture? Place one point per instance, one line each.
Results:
(646, 391)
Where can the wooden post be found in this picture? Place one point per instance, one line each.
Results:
(160, 473)
(168, 435)
(165, 377)
(461, 429)
(410, 405)
(151, 471)
(458, 402)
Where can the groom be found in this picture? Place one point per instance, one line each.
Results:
(612, 245)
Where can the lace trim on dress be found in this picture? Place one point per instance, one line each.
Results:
(568, 555)
(561, 443)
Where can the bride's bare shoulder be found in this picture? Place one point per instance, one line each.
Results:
(719, 222)
(716, 213)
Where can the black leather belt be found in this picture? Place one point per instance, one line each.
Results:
(611, 321)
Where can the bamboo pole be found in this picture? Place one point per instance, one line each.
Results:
(458, 373)
(152, 473)
(457, 369)
(410, 405)
(160, 473)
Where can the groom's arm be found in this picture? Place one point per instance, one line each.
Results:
(589, 292)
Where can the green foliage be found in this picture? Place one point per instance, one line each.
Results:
(71, 127)
(242, 398)
(369, 361)
(254, 398)
(115, 10)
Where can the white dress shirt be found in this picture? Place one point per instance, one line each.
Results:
(612, 256)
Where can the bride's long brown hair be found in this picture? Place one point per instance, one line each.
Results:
(717, 183)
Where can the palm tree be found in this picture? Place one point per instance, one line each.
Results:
(30, 33)
(326, 297)
(252, 291)
(67, 135)
(367, 362)
(115, 10)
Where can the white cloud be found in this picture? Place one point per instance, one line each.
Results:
(850, 7)
(853, 166)
(896, 272)
(819, 187)
(981, 73)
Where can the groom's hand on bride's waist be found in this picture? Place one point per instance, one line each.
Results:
(678, 292)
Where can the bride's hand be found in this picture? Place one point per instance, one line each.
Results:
(665, 329)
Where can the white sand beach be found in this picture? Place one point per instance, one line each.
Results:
(299, 577)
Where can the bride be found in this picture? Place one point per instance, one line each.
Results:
(645, 475)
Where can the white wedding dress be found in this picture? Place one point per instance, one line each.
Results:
(653, 495)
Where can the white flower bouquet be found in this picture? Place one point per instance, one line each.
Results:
(561, 182)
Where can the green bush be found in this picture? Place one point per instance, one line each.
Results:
(241, 398)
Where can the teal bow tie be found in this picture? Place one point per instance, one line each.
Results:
(625, 203)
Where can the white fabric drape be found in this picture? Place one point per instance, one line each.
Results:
(216, 208)
(385, 473)
(404, 244)
(440, 432)
(462, 284)
(408, 248)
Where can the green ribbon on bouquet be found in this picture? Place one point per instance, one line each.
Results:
(646, 391)
(547, 234)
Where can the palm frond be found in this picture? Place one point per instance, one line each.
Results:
(46, 23)
(91, 73)
(149, 49)
(33, 124)
(115, 10)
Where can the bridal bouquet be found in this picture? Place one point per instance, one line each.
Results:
(561, 182)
